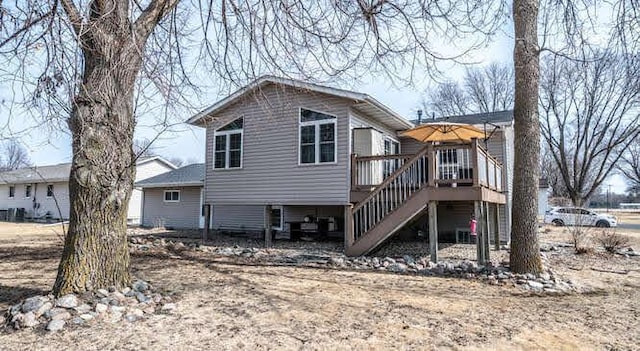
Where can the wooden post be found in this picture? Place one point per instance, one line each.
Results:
(348, 227)
(496, 238)
(433, 231)
(207, 222)
(485, 235)
(267, 226)
(474, 160)
(431, 165)
(477, 206)
(354, 172)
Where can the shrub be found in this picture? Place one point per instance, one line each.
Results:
(612, 241)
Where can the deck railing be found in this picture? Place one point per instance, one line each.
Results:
(391, 193)
(455, 165)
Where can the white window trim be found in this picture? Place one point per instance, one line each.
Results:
(30, 191)
(317, 135)
(53, 189)
(227, 145)
(164, 195)
(281, 227)
(14, 192)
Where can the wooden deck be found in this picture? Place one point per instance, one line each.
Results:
(388, 191)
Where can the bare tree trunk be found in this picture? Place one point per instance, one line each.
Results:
(96, 253)
(525, 256)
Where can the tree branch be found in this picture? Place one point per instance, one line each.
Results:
(74, 16)
(152, 15)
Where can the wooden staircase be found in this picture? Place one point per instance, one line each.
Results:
(393, 203)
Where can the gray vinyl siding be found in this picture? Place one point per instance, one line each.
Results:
(38, 204)
(143, 171)
(183, 214)
(410, 146)
(238, 217)
(270, 171)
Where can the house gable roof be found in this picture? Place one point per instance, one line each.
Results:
(190, 175)
(57, 173)
(362, 102)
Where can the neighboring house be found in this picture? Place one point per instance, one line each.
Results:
(304, 156)
(543, 196)
(43, 191)
(174, 199)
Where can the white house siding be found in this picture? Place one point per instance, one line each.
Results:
(184, 214)
(144, 170)
(38, 204)
(270, 171)
(238, 217)
(543, 201)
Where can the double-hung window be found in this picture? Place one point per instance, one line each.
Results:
(27, 191)
(228, 145)
(172, 196)
(50, 190)
(317, 137)
(12, 191)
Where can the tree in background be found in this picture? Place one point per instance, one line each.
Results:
(590, 116)
(629, 166)
(13, 156)
(485, 89)
(97, 56)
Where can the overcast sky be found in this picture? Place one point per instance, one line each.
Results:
(188, 142)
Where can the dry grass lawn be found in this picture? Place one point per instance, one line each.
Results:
(227, 304)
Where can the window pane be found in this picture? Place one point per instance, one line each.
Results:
(234, 158)
(221, 142)
(12, 191)
(175, 196)
(308, 134)
(237, 124)
(50, 190)
(326, 132)
(307, 154)
(327, 152)
(308, 116)
(235, 141)
(167, 196)
(220, 161)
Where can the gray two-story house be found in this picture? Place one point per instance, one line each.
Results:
(302, 156)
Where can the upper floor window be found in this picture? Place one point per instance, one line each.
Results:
(27, 191)
(12, 191)
(228, 145)
(50, 190)
(317, 137)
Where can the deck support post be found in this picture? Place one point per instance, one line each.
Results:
(481, 232)
(207, 222)
(348, 227)
(433, 231)
(496, 233)
(485, 235)
(267, 226)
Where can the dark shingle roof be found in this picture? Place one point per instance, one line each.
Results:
(476, 118)
(54, 173)
(190, 175)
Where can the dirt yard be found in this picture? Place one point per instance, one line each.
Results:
(227, 304)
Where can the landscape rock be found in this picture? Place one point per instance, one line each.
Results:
(32, 304)
(102, 293)
(397, 268)
(141, 286)
(87, 316)
(101, 308)
(67, 301)
(54, 311)
(44, 308)
(27, 320)
(535, 285)
(55, 325)
(61, 316)
(84, 308)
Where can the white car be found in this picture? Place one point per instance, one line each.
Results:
(575, 216)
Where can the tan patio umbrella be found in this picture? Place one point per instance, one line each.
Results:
(444, 132)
